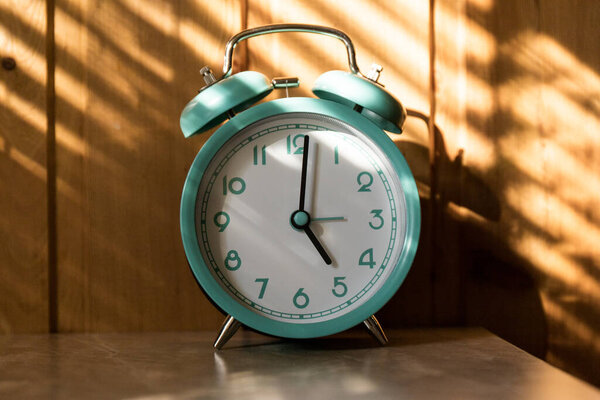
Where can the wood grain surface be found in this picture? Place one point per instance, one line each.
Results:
(124, 70)
(517, 104)
(23, 193)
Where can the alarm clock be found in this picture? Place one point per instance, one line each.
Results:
(299, 216)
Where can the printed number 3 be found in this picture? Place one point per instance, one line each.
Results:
(377, 215)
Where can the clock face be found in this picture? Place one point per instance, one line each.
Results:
(355, 205)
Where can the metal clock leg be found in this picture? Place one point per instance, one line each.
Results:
(376, 330)
(230, 326)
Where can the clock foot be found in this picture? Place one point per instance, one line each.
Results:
(230, 326)
(376, 330)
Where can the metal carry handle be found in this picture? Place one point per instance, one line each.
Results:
(277, 28)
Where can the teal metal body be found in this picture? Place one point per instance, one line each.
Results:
(188, 209)
(211, 106)
(376, 103)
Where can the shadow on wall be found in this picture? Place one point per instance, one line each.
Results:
(495, 287)
(533, 107)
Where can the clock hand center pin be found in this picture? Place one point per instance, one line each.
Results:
(300, 219)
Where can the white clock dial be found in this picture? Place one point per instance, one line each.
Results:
(354, 199)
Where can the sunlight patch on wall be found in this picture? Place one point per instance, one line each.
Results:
(71, 28)
(406, 40)
(25, 110)
(109, 49)
(158, 14)
(401, 49)
(482, 5)
(572, 179)
(35, 66)
(24, 14)
(555, 131)
(577, 111)
(544, 52)
(465, 98)
(27, 163)
(223, 15)
(115, 66)
(67, 191)
(549, 260)
(200, 42)
(70, 89)
(570, 322)
(69, 140)
(481, 97)
(547, 212)
(482, 46)
(379, 38)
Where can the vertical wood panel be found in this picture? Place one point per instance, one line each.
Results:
(449, 42)
(124, 71)
(23, 207)
(567, 55)
(518, 98)
(392, 34)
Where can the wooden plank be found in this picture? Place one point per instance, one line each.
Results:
(446, 147)
(23, 203)
(567, 57)
(124, 71)
(393, 34)
(490, 285)
(525, 82)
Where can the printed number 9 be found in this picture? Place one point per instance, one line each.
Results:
(221, 225)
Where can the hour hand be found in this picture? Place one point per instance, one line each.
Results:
(318, 245)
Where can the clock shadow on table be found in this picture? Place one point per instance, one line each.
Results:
(356, 338)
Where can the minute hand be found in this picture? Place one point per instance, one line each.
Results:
(303, 176)
(305, 226)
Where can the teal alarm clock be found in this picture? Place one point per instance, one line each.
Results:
(300, 217)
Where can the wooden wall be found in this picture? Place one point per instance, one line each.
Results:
(23, 162)
(518, 103)
(92, 161)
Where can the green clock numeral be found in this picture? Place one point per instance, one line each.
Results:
(377, 215)
(236, 185)
(301, 295)
(233, 256)
(337, 283)
(366, 258)
(264, 282)
(336, 155)
(296, 143)
(365, 187)
(221, 225)
(263, 155)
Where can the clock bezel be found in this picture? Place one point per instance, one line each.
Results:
(226, 301)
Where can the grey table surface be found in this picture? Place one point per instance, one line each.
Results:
(461, 363)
